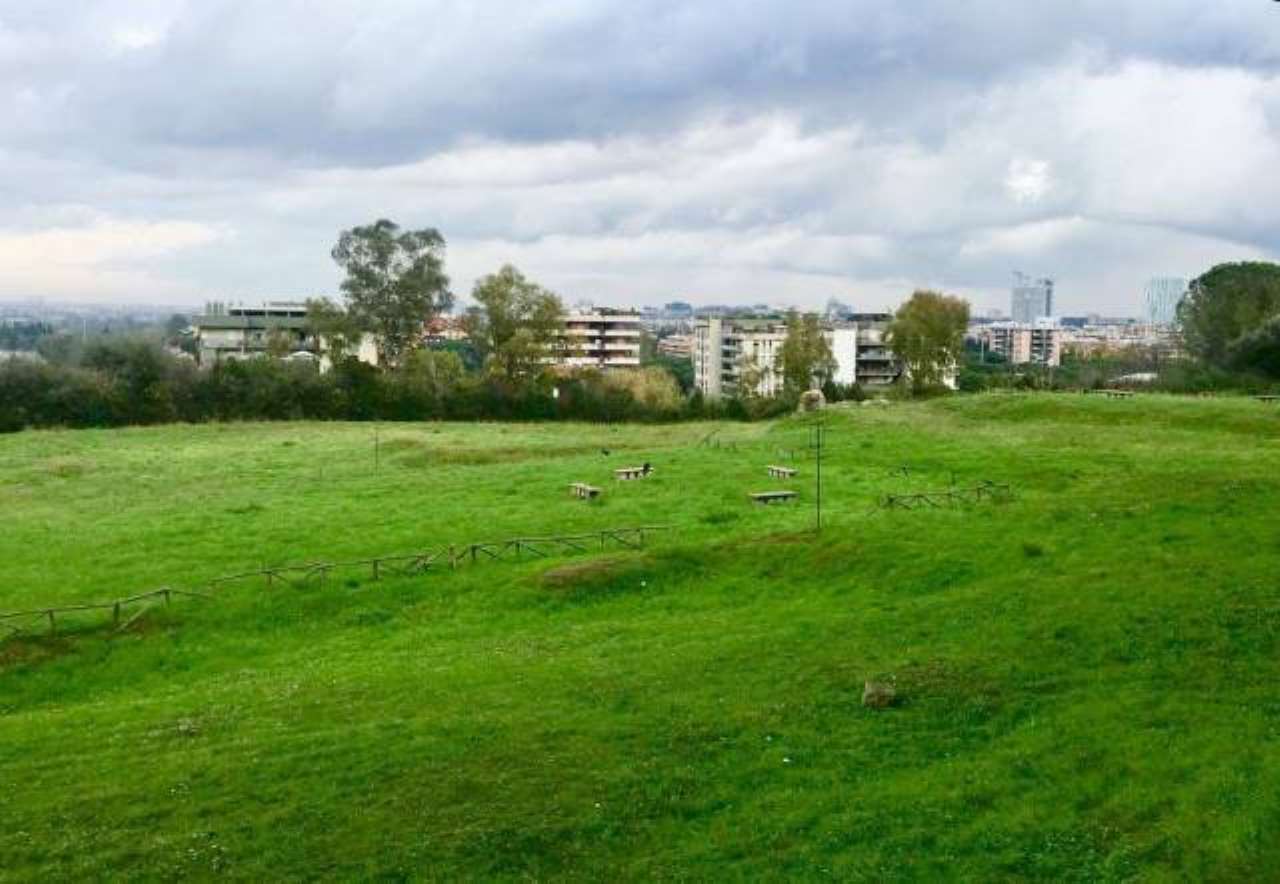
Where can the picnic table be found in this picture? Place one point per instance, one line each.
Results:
(778, 472)
(1267, 398)
(1115, 394)
(772, 496)
(625, 473)
(583, 490)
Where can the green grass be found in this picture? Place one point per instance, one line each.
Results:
(1087, 673)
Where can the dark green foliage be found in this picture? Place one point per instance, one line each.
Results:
(680, 368)
(132, 381)
(1257, 350)
(1226, 304)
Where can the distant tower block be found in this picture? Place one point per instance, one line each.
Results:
(1160, 299)
(1031, 299)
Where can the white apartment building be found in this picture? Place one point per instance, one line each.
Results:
(602, 338)
(725, 349)
(874, 363)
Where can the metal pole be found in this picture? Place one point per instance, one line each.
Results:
(818, 459)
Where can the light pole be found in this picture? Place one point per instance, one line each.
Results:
(818, 433)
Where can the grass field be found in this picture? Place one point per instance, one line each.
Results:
(1087, 673)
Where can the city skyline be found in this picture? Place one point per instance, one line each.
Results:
(168, 152)
(1139, 310)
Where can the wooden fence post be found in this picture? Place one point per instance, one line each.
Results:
(577, 542)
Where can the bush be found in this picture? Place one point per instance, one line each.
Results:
(127, 381)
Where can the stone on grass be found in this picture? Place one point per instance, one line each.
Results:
(878, 695)
(812, 400)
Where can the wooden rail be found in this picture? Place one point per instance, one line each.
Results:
(300, 575)
(982, 491)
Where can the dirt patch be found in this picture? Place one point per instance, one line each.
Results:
(600, 576)
(956, 685)
(66, 467)
(32, 650)
(402, 443)
(499, 454)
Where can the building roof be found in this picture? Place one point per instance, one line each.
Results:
(249, 322)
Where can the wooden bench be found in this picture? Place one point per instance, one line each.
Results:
(781, 472)
(773, 496)
(1114, 394)
(626, 473)
(1267, 398)
(583, 490)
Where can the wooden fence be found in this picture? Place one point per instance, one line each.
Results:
(985, 490)
(450, 557)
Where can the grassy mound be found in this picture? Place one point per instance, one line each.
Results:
(1085, 674)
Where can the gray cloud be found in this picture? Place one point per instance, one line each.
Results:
(638, 151)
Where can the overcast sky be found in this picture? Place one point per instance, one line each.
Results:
(638, 151)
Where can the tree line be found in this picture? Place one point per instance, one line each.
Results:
(395, 283)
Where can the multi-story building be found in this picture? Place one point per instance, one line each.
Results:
(1039, 343)
(443, 329)
(874, 363)
(226, 332)
(602, 338)
(727, 351)
(676, 346)
(1160, 299)
(1031, 299)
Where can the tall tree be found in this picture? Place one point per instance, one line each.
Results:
(336, 332)
(516, 324)
(927, 334)
(395, 282)
(1224, 305)
(805, 358)
(1258, 351)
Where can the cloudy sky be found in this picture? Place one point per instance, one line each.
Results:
(639, 151)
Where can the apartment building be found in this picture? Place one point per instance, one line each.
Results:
(602, 338)
(1020, 343)
(237, 332)
(725, 350)
(225, 332)
(874, 364)
(676, 346)
(728, 350)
